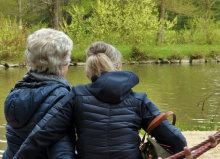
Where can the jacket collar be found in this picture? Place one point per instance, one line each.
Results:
(41, 77)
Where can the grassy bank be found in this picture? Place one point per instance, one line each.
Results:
(187, 125)
(144, 52)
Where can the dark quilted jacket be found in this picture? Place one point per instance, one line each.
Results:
(26, 105)
(107, 116)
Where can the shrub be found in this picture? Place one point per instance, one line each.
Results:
(12, 39)
(175, 56)
(137, 54)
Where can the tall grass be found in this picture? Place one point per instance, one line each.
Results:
(187, 124)
(12, 39)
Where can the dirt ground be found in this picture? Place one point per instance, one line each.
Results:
(195, 137)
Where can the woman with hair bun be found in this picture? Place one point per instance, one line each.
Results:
(106, 113)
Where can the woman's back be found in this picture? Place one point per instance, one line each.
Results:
(107, 130)
(108, 127)
(25, 106)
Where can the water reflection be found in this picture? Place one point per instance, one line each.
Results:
(176, 87)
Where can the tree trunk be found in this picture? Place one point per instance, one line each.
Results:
(56, 14)
(207, 8)
(161, 9)
(65, 14)
(20, 14)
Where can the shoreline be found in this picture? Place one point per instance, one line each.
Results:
(5, 64)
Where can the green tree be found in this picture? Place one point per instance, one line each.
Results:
(33, 12)
(105, 20)
(169, 10)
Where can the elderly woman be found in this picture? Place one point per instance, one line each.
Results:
(107, 113)
(48, 55)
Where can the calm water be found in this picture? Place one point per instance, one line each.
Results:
(176, 87)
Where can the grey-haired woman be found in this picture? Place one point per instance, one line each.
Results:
(48, 55)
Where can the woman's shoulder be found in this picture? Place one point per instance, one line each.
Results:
(139, 95)
(80, 90)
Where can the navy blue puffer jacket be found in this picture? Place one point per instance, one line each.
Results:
(107, 116)
(26, 105)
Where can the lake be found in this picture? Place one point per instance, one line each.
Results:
(176, 87)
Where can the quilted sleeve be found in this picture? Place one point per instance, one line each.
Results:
(165, 133)
(64, 148)
(53, 127)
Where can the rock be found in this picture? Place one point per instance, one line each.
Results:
(211, 61)
(13, 65)
(142, 62)
(175, 61)
(218, 58)
(157, 61)
(164, 60)
(198, 60)
(150, 61)
(185, 59)
(73, 64)
(132, 62)
(81, 64)
(22, 63)
(146, 62)
(6, 64)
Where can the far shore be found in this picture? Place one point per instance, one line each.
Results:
(5, 64)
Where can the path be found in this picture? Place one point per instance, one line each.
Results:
(195, 137)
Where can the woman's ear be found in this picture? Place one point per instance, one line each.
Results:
(118, 68)
(87, 75)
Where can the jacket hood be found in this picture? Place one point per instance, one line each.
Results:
(113, 87)
(30, 98)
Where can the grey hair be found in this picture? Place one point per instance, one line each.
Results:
(102, 57)
(48, 50)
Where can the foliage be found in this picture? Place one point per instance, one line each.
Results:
(12, 39)
(188, 126)
(76, 30)
(125, 23)
(197, 55)
(175, 56)
(137, 54)
(135, 20)
(33, 12)
(129, 21)
(213, 54)
(206, 31)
